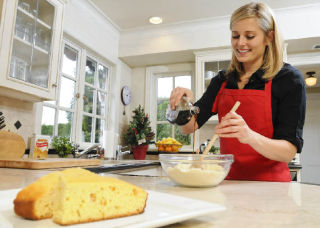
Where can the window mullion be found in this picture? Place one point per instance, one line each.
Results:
(162, 122)
(65, 109)
(56, 117)
(81, 84)
(93, 127)
(94, 103)
(68, 77)
(172, 131)
(155, 107)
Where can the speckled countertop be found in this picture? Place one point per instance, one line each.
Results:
(248, 203)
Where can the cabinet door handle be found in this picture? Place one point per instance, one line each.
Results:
(77, 95)
(54, 85)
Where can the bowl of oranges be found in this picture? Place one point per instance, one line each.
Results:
(168, 145)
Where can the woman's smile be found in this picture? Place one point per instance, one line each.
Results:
(243, 51)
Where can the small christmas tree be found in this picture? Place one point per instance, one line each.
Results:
(139, 131)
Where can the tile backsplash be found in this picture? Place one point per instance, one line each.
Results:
(23, 111)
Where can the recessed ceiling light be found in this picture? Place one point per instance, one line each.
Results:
(155, 20)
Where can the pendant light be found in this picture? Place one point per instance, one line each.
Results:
(311, 80)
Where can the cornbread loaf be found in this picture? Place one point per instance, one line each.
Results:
(76, 195)
(86, 199)
(36, 200)
(12, 145)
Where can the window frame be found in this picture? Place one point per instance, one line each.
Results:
(76, 128)
(57, 105)
(85, 55)
(172, 75)
(152, 73)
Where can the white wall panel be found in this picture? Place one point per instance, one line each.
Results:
(84, 23)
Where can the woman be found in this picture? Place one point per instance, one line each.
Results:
(265, 133)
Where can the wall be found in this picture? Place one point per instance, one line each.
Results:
(310, 156)
(123, 113)
(83, 22)
(14, 110)
(135, 79)
(138, 86)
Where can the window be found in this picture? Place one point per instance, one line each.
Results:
(160, 80)
(164, 88)
(57, 116)
(83, 120)
(94, 102)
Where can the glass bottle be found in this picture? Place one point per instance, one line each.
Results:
(183, 112)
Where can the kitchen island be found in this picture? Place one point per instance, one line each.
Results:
(248, 203)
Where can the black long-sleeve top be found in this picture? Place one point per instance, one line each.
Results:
(288, 101)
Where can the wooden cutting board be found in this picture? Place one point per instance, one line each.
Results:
(27, 163)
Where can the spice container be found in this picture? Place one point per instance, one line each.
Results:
(39, 147)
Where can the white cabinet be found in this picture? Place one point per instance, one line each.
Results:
(30, 40)
(208, 64)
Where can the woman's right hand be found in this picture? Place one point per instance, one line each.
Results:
(177, 94)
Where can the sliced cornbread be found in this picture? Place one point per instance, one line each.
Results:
(76, 195)
(36, 200)
(87, 199)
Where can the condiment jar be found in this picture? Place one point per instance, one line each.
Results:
(183, 112)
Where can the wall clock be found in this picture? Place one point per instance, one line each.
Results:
(125, 96)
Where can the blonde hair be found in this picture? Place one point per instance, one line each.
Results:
(273, 56)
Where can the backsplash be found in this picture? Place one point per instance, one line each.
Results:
(14, 110)
(206, 132)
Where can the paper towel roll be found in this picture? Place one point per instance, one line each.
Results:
(110, 144)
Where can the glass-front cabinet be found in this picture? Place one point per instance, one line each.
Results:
(208, 64)
(211, 69)
(31, 34)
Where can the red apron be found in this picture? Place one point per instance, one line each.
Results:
(255, 109)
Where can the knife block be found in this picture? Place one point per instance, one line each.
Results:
(12, 145)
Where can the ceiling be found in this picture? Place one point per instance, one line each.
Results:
(132, 14)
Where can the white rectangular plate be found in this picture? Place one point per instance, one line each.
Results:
(162, 209)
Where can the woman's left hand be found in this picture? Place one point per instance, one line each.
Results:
(233, 125)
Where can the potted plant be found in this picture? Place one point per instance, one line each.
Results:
(139, 133)
(62, 145)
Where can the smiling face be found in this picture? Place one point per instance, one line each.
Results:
(248, 42)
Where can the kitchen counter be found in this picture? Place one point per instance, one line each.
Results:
(248, 203)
